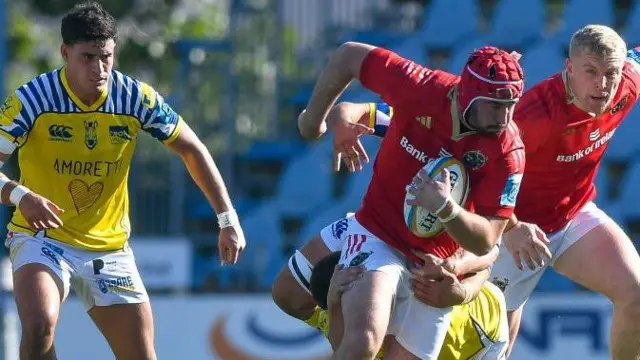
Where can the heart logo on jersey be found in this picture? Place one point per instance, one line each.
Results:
(83, 194)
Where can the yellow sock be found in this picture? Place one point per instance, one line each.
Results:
(319, 320)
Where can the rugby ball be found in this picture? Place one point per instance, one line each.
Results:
(426, 224)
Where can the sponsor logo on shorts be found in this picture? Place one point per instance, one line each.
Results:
(49, 254)
(118, 285)
(339, 227)
(99, 264)
(354, 244)
(511, 189)
(360, 258)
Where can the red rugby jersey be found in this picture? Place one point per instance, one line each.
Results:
(564, 146)
(426, 124)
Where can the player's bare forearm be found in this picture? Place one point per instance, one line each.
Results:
(336, 325)
(474, 284)
(9, 186)
(202, 168)
(343, 66)
(475, 233)
(352, 112)
(464, 262)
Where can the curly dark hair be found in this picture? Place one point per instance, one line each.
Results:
(87, 22)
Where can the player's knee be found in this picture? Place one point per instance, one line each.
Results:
(289, 296)
(38, 331)
(363, 344)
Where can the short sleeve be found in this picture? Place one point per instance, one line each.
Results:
(157, 118)
(394, 78)
(14, 124)
(531, 117)
(496, 192)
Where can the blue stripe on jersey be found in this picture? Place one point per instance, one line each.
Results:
(34, 92)
(634, 54)
(53, 92)
(28, 110)
(384, 108)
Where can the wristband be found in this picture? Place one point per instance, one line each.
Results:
(444, 204)
(227, 219)
(455, 211)
(17, 194)
(3, 181)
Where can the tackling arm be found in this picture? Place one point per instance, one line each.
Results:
(343, 66)
(463, 262)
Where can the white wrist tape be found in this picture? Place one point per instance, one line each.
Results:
(444, 204)
(17, 194)
(454, 213)
(227, 219)
(3, 181)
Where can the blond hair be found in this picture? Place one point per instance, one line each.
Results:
(598, 40)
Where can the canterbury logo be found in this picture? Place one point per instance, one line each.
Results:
(60, 132)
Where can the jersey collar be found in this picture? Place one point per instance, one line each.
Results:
(456, 116)
(93, 107)
(565, 81)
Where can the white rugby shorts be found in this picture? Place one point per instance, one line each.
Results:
(517, 284)
(419, 328)
(98, 278)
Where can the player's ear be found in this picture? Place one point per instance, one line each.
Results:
(64, 52)
(568, 65)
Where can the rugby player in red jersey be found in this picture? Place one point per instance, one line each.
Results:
(435, 114)
(566, 123)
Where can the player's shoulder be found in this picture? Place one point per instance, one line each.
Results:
(131, 95)
(537, 103)
(42, 94)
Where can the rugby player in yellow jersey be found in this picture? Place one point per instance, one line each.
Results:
(75, 130)
(478, 328)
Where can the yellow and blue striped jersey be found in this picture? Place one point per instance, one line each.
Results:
(78, 156)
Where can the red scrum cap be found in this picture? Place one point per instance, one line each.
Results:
(493, 74)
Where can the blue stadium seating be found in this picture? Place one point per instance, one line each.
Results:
(624, 144)
(541, 61)
(517, 23)
(625, 207)
(578, 13)
(449, 22)
(307, 182)
(631, 33)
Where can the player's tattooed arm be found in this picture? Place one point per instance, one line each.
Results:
(343, 67)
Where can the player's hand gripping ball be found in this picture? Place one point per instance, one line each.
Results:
(424, 223)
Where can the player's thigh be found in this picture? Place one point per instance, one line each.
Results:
(366, 309)
(128, 329)
(368, 304)
(291, 290)
(40, 281)
(604, 260)
(112, 291)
